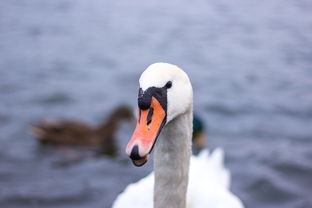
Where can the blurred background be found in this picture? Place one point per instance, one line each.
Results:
(250, 63)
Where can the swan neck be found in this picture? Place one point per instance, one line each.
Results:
(171, 162)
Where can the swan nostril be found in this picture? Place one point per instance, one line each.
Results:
(149, 116)
(135, 153)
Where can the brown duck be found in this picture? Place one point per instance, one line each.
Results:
(75, 133)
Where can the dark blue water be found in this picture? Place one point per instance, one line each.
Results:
(250, 63)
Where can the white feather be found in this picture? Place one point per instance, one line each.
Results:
(209, 183)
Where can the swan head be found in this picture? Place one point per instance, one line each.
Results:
(165, 92)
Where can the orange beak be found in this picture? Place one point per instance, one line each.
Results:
(149, 125)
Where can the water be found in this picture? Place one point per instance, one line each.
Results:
(251, 67)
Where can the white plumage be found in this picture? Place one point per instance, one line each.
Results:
(209, 183)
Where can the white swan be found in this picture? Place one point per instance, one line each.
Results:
(166, 109)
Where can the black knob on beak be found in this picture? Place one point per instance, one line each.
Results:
(144, 99)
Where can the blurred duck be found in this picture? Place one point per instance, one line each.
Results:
(198, 138)
(75, 133)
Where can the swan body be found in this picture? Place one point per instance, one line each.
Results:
(165, 119)
(209, 185)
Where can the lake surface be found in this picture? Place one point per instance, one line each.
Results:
(250, 63)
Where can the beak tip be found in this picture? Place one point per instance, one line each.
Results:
(140, 162)
(134, 155)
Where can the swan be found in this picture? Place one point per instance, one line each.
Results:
(165, 105)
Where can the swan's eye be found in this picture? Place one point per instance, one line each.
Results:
(169, 85)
